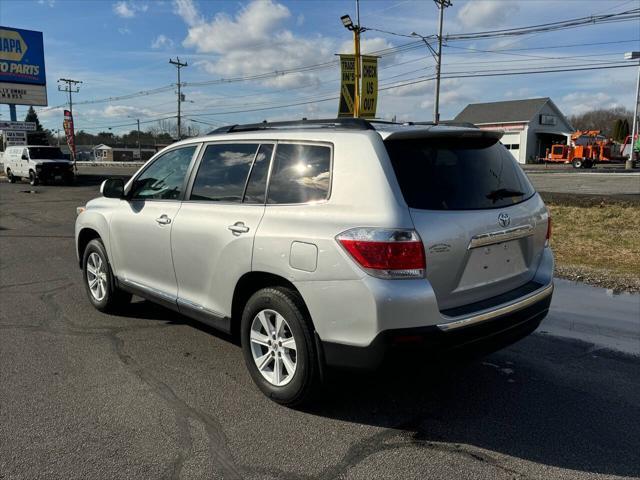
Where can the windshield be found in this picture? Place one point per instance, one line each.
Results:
(454, 174)
(46, 153)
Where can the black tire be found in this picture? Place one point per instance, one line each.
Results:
(69, 179)
(588, 163)
(114, 299)
(11, 177)
(290, 305)
(577, 163)
(33, 178)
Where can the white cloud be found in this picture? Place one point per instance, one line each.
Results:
(254, 23)
(254, 41)
(580, 102)
(188, 11)
(124, 31)
(116, 111)
(162, 41)
(367, 45)
(486, 13)
(129, 9)
(50, 3)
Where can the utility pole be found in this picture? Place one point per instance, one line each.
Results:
(178, 65)
(139, 148)
(71, 87)
(442, 4)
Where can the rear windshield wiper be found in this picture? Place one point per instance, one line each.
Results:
(503, 193)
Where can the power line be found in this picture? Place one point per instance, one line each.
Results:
(420, 80)
(261, 76)
(551, 26)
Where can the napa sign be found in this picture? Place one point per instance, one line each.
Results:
(22, 74)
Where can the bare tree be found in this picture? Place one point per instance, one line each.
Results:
(601, 119)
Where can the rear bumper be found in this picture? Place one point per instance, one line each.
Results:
(489, 330)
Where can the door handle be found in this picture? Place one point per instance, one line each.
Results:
(238, 228)
(163, 219)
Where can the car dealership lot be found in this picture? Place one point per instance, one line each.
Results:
(151, 394)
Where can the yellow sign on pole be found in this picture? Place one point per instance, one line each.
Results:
(347, 85)
(369, 91)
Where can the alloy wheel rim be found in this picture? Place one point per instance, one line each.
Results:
(273, 347)
(96, 276)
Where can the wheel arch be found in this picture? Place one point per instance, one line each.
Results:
(85, 235)
(250, 283)
(92, 220)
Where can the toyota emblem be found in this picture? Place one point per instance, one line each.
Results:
(504, 220)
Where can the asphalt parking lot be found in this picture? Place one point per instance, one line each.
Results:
(151, 394)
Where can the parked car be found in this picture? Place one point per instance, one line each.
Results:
(327, 243)
(38, 164)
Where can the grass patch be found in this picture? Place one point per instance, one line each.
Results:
(603, 236)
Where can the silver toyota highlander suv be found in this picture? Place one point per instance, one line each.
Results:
(327, 243)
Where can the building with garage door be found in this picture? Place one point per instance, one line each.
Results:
(530, 126)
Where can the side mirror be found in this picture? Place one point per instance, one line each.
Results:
(24, 157)
(112, 188)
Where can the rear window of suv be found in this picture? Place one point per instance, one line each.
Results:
(457, 174)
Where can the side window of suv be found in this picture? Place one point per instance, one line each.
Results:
(300, 174)
(164, 178)
(223, 172)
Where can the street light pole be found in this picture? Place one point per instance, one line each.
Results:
(357, 30)
(634, 129)
(442, 4)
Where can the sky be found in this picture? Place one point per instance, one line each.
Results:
(123, 47)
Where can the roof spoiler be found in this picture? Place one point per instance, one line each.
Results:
(484, 137)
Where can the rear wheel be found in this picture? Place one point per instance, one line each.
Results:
(99, 281)
(33, 178)
(10, 176)
(278, 345)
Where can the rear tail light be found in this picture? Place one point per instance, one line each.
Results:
(548, 237)
(385, 253)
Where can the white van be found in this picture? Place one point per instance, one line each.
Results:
(37, 163)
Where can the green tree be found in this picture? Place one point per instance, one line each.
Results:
(39, 137)
(624, 130)
(617, 127)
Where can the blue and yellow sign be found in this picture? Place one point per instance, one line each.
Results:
(21, 56)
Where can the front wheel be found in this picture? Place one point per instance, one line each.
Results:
(33, 178)
(278, 345)
(577, 163)
(99, 281)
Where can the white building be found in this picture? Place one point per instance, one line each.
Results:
(531, 126)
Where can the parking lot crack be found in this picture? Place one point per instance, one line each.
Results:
(218, 449)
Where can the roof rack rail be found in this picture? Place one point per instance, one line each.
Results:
(352, 123)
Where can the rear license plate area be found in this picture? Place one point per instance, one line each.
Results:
(492, 263)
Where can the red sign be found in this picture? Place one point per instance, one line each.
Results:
(70, 133)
